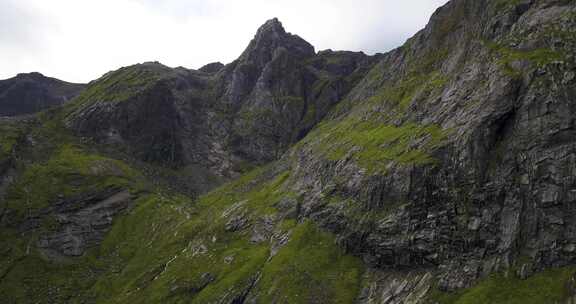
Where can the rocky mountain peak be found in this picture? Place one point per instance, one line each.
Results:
(270, 37)
(271, 50)
(31, 76)
(212, 67)
(273, 26)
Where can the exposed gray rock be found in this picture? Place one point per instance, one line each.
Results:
(263, 229)
(502, 188)
(212, 67)
(396, 287)
(81, 222)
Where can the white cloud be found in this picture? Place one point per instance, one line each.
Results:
(79, 40)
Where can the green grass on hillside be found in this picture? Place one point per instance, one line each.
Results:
(10, 134)
(311, 269)
(507, 56)
(550, 286)
(374, 145)
(122, 84)
(70, 171)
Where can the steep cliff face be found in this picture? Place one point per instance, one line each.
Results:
(443, 173)
(454, 157)
(34, 92)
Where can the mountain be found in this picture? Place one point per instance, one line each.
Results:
(34, 92)
(216, 124)
(439, 172)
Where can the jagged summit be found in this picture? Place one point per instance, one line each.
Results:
(212, 67)
(271, 52)
(270, 82)
(32, 75)
(273, 25)
(272, 36)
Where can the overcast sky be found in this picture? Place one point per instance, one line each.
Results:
(79, 40)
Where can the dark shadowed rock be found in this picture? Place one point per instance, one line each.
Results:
(82, 222)
(212, 68)
(34, 92)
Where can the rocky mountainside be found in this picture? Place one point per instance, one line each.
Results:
(440, 172)
(34, 92)
(219, 121)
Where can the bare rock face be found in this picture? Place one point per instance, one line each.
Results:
(34, 92)
(145, 122)
(271, 46)
(212, 67)
(500, 191)
(82, 222)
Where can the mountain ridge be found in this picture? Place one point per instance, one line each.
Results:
(28, 93)
(439, 172)
(226, 117)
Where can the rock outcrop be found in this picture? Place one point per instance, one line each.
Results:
(83, 222)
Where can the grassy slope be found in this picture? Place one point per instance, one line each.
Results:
(550, 286)
(120, 85)
(174, 266)
(57, 167)
(10, 133)
(168, 248)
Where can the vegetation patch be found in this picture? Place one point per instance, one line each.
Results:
(122, 84)
(70, 171)
(168, 253)
(170, 250)
(402, 93)
(311, 269)
(10, 134)
(259, 195)
(550, 286)
(505, 4)
(507, 56)
(374, 145)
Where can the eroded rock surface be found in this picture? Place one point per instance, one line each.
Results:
(82, 222)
